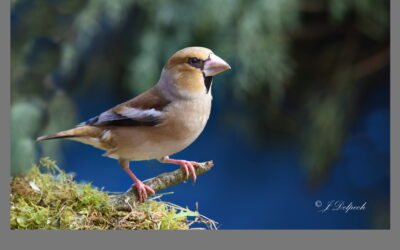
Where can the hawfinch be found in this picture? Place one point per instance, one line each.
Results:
(161, 121)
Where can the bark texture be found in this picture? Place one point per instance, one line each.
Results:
(126, 200)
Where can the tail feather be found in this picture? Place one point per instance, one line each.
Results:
(84, 131)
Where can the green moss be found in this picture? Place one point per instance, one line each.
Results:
(48, 198)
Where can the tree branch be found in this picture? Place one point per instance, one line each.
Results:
(163, 181)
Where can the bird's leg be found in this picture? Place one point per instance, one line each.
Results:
(186, 166)
(141, 188)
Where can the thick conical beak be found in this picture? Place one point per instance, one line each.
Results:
(215, 65)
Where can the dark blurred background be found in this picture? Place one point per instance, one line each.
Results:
(302, 117)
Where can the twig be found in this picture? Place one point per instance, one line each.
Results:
(124, 201)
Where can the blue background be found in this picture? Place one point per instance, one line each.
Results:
(302, 117)
(255, 186)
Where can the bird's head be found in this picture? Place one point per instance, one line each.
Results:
(191, 69)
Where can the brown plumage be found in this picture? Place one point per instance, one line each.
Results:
(161, 121)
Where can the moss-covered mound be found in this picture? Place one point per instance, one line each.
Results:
(48, 198)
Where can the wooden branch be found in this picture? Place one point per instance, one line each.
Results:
(124, 201)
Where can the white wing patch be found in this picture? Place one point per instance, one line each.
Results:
(138, 113)
(108, 116)
(106, 135)
(127, 117)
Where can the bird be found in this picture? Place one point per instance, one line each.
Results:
(161, 121)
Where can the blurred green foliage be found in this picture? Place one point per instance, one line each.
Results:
(299, 66)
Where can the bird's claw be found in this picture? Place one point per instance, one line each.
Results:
(142, 190)
(188, 166)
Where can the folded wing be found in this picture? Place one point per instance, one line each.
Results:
(147, 109)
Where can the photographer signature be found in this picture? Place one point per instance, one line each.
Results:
(339, 205)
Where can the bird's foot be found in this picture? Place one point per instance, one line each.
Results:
(187, 167)
(142, 190)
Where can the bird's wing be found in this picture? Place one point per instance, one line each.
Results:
(143, 110)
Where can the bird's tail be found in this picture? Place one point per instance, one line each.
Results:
(84, 131)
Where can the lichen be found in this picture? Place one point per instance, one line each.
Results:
(48, 198)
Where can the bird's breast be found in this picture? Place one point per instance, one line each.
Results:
(188, 118)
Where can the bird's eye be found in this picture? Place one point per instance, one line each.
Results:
(196, 62)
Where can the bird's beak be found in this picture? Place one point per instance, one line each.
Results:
(215, 65)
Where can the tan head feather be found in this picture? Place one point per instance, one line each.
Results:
(184, 75)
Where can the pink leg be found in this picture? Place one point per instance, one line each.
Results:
(141, 188)
(186, 166)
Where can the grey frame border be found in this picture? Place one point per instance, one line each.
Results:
(238, 239)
